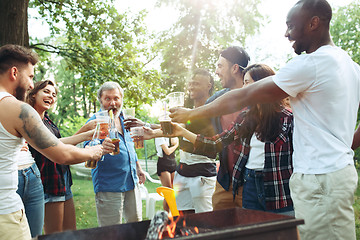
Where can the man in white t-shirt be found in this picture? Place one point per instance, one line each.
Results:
(324, 90)
(18, 121)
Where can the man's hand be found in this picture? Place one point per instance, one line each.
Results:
(140, 173)
(133, 122)
(179, 114)
(108, 146)
(96, 152)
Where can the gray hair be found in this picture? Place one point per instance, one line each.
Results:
(109, 86)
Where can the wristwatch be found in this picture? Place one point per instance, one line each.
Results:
(148, 125)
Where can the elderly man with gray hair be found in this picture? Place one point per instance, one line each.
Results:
(116, 178)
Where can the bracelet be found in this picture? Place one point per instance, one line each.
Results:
(148, 125)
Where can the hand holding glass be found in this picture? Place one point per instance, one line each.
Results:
(164, 119)
(95, 141)
(138, 136)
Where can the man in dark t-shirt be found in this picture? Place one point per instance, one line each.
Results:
(195, 176)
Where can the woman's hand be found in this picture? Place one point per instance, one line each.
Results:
(177, 130)
(150, 133)
(88, 126)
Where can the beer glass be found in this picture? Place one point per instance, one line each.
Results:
(138, 136)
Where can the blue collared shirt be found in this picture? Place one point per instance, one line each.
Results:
(117, 173)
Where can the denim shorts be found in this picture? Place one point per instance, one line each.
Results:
(68, 194)
(254, 193)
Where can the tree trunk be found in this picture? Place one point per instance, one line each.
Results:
(13, 22)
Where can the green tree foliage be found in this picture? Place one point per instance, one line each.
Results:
(98, 44)
(345, 29)
(204, 28)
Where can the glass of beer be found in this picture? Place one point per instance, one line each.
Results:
(104, 119)
(166, 126)
(128, 113)
(138, 136)
(165, 120)
(176, 99)
(116, 142)
(92, 163)
(115, 139)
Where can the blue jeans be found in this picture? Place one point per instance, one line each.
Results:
(31, 191)
(254, 193)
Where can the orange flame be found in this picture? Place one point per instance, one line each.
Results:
(170, 229)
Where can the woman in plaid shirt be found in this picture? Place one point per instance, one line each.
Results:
(263, 137)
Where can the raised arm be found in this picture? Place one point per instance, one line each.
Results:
(178, 131)
(135, 122)
(78, 138)
(90, 125)
(25, 121)
(235, 100)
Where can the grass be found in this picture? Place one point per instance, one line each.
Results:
(86, 212)
(84, 200)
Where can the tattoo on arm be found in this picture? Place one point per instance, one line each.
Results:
(35, 129)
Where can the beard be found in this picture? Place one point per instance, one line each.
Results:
(298, 50)
(116, 111)
(20, 93)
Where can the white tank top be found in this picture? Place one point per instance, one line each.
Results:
(10, 201)
(257, 154)
(24, 158)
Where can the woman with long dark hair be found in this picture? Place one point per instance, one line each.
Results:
(56, 178)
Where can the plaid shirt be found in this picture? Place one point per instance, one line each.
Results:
(278, 158)
(52, 174)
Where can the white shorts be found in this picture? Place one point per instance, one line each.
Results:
(325, 202)
(194, 193)
(110, 207)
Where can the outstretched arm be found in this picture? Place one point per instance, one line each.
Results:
(259, 92)
(78, 137)
(135, 122)
(178, 131)
(24, 121)
(90, 125)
